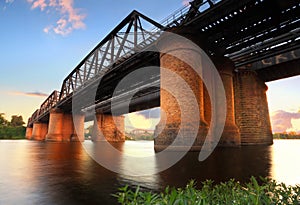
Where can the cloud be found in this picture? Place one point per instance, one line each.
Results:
(53, 3)
(38, 4)
(283, 121)
(69, 19)
(31, 94)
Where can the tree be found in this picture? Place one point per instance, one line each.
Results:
(17, 121)
(3, 121)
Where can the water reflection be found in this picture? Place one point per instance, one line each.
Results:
(63, 173)
(285, 161)
(17, 181)
(127, 159)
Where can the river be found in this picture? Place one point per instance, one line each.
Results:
(63, 173)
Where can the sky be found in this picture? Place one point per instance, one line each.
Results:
(284, 104)
(42, 41)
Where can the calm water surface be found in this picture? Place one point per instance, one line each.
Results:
(62, 173)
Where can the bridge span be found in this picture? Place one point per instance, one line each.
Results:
(250, 42)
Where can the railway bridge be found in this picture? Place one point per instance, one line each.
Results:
(249, 42)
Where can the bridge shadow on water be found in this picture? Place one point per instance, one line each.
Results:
(223, 164)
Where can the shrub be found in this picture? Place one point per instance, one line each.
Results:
(230, 192)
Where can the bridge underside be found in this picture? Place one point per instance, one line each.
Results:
(280, 71)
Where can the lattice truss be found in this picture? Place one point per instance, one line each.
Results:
(49, 103)
(132, 35)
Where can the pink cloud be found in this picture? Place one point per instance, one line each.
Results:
(53, 3)
(72, 18)
(62, 27)
(31, 94)
(39, 4)
(69, 19)
(282, 121)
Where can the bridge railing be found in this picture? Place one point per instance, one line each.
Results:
(181, 15)
(176, 16)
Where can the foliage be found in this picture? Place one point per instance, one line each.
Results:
(148, 137)
(12, 129)
(290, 135)
(3, 121)
(9, 132)
(16, 121)
(231, 192)
(140, 136)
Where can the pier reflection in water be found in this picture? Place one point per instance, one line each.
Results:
(63, 173)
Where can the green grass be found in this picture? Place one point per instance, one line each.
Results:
(227, 193)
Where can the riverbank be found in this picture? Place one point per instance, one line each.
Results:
(286, 136)
(14, 138)
(230, 192)
(12, 133)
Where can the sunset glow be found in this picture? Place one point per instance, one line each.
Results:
(147, 119)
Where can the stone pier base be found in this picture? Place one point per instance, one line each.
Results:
(67, 128)
(231, 135)
(97, 132)
(181, 97)
(78, 131)
(28, 134)
(252, 113)
(39, 131)
(55, 126)
(62, 127)
(108, 127)
(185, 141)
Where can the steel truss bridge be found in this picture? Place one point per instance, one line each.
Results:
(261, 35)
